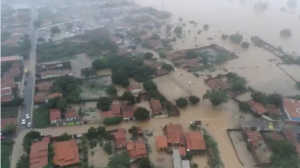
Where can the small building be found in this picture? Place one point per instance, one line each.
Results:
(128, 112)
(53, 95)
(71, 115)
(49, 74)
(55, 116)
(161, 142)
(66, 153)
(176, 56)
(40, 97)
(39, 153)
(43, 86)
(182, 151)
(6, 91)
(257, 107)
(195, 143)
(52, 65)
(136, 150)
(124, 51)
(254, 138)
(189, 63)
(134, 89)
(11, 59)
(156, 107)
(176, 159)
(291, 108)
(174, 133)
(120, 138)
(218, 84)
(155, 44)
(115, 111)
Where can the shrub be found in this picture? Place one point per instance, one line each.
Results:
(108, 148)
(150, 86)
(112, 120)
(206, 26)
(194, 99)
(245, 44)
(236, 38)
(181, 102)
(224, 36)
(286, 32)
(244, 107)
(141, 114)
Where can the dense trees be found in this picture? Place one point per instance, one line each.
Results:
(162, 55)
(167, 67)
(112, 120)
(284, 154)
(127, 96)
(108, 148)
(9, 128)
(286, 32)
(104, 103)
(259, 97)
(41, 40)
(5, 35)
(194, 99)
(68, 85)
(28, 139)
(37, 24)
(236, 38)
(238, 83)
(148, 55)
(111, 90)
(205, 27)
(224, 36)
(191, 54)
(17, 101)
(55, 30)
(275, 98)
(23, 48)
(150, 86)
(178, 30)
(216, 97)
(120, 160)
(62, 104)
(181, 102)
(297, 85)
(144, 163)
(155, 37)
(238, 86)
(141, 114)
(88, 72)
(244, 107)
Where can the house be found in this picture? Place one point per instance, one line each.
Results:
(291, 108)
(156, 107)
(8, 121)
(39, 153)
(257, 107)
(49, 74)
(182, 151)
(71, 115)
(218, 84)
(55, 116)
(174, 133)
(153, 64)
(6, 91)
(136, 150)
(120, 138)
(135, 89)
(254, 138)
(161, 142)
(124, 51)
(53, 95)
(66, 153)
(44, 86)
(176, 159)
(6, 99)
(137, 53)
(155, 44)
(195, 143)
(115, 111)
(11, 59)
(128, 112)
(189, 63)
(7, 82)
(273, 111)
(40, 97)
(52, 65)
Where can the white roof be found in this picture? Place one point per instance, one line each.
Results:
(186, 164)
(176, 159)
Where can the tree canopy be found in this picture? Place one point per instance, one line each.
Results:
(275, 98)
(167, 67)
(111, 90)
(245, 44)
(55, 30)
(112, 120)
(191, 54)
(129, 97)
(236, 38)
(141, 114)
(178, 30)
(162, 55)
(284, 154)
(181, 102)
(62, 103)
(28, 139)
(259, 97)
(244, 106)
(104, 103)
(297, 85)
(150, 86)
(216, 97)
(205, 27)
(194, 99)
(286, 32)
(144, 163)
(120, 160)
(88, 72)
(148, 55)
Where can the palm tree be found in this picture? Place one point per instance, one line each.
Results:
(216, 97)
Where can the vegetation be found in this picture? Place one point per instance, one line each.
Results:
(23, 48)
(111, 90)
(120, 160)
(297, 85)
(284, 154)
(88, 72)
(162, 55)
(108, 148)
(244, 106)
(245, 44)
(167, 67)
(238, 86)
(57, 102)
(216, 97)
(238, 83)
(41, 118)
(224, 36)
(157, 95)
(9, 128)
(144, 163)
(68, 85)
(64, 137)
(17, 101)
(5, 35)
(127, 96)
(181, 102)
(191, 54)
(141, 114)
(29, 138)
(37, 24)
(286, 32)
(6, 151)
(112, 120)
(236, 38)
(41, 40)
(104, 103)
(55, 30)
(194, 100)
(193, 126)
(275, 98)
(259, 97)
(23, 161)
(150, 86)
(178, 31)
(148, 55)
(212, 146)
(205, 27)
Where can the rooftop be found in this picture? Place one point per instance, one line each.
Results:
(182, 151)
(53, 95)
(218, 84)
(40, 97)
(5, 82)
(128, 111)
(161, 142)
(152, 64)
(257, 107)
(5, 91)
(46, 74)
(156, 106)
(174, 133)
(70, 113)
(7, 98)
(292, 108)
(176, 159)
(54, 114)
(136, 149)
(65, 153)
(10, 58)
(44, 86)
(134, 87)
(195, 141)
(254, 137)
(39, 153)
(120, 138)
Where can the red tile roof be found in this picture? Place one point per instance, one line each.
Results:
(272, 109)
(120, 138)
(174, 133)
(44, 86)
(182, 151)
(70, 113)
(10, 58)
(7, 83)
(7, 98)
(65, 153)
(175, 56)
(136, 149)
(54, 114)
(161, 142)
(40, 97)
(128, 111)
(156, 106)
(254, 137)
(195, 141)
(115, 111)
(39, 153)
(53, 95)
(8, 121)
(257, 107)
(217, 84)
(292, 107)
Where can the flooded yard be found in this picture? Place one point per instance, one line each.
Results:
(292, 70)
(79, 62)
(99, 158)
(95, 88)
(89, 111)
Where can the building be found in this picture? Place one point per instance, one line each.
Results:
(6, 99)
(49, 74)
(182, 151)
(136, 150)
(53, 95)
(120, 138)
(55, 116)
(124, 51)
(11, 59)
(155, 44)
(254, 138)
(39, 153)
(257, 107)
(161, 142)
(189, 63)
(195, 143)
(71, 115)
(66, 153)
(43, 86)
(156, 107)
(134, 89)
(52, 65)
(40, 97)
(218, 84)
(153, 64)
(291, 108)
(174, 133)
(273, 111)
(115, 111)
(176, 159)
(128, 112)
(177, 55)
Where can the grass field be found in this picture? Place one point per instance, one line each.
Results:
(6, 150)
(41, 117)
(9, 112)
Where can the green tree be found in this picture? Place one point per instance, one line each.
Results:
(244, 106)
(245, 44)
(150, 86)
(238, 86)
(41, 40)
(88, 72)
(104, 103)
(5, 35)
(194, 99)
(112, 120)
(148, 55)
(297, 85)
(144, 163)
(37, 24)
(286, 32)
(167, 67)
(134, 131)
(64, 137)
(108, 148)
(216, 97)
(181, 102)
(55, 30)
(99, 64)
(120, 78)
(101, 130)
(236, 38)
(111, 90)
(155, 37)
(23, 162)
(92, 133)
(275, 98)
(29, 138)
(162, 55)
(9, 128)
(17, 101)
(141, 114)
(62, 103)
(284, 154)
(191, 54)
(120, 160)
(127, 96)
(205, 27)
(178, 30)
(259, 97)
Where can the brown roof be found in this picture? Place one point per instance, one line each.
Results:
(272, 109)
(53, 95)
(44, 86)
(161, 142)
(156, 106)
(5, 91)
(120, 138)
(182, 151)
(292, 107)
(195, 141)
(175, 56)
(54, 114)
(128, 111)
(6, 82)
(133, 87)
(8, 121)
(218, 84)
(39, 153)
(174, 133)
(70, 113)
(40, 97)
(136, 149)
(44, 74)
(7, 98)
(155, 44)
(124, 51)
(254, 137)
(65, 153)
(10, 58)
(257, 107)
(152, 64)
(115, 111)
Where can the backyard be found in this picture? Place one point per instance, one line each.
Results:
(6, 150)
(95, 88)
(41, 117)
(9, 111)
